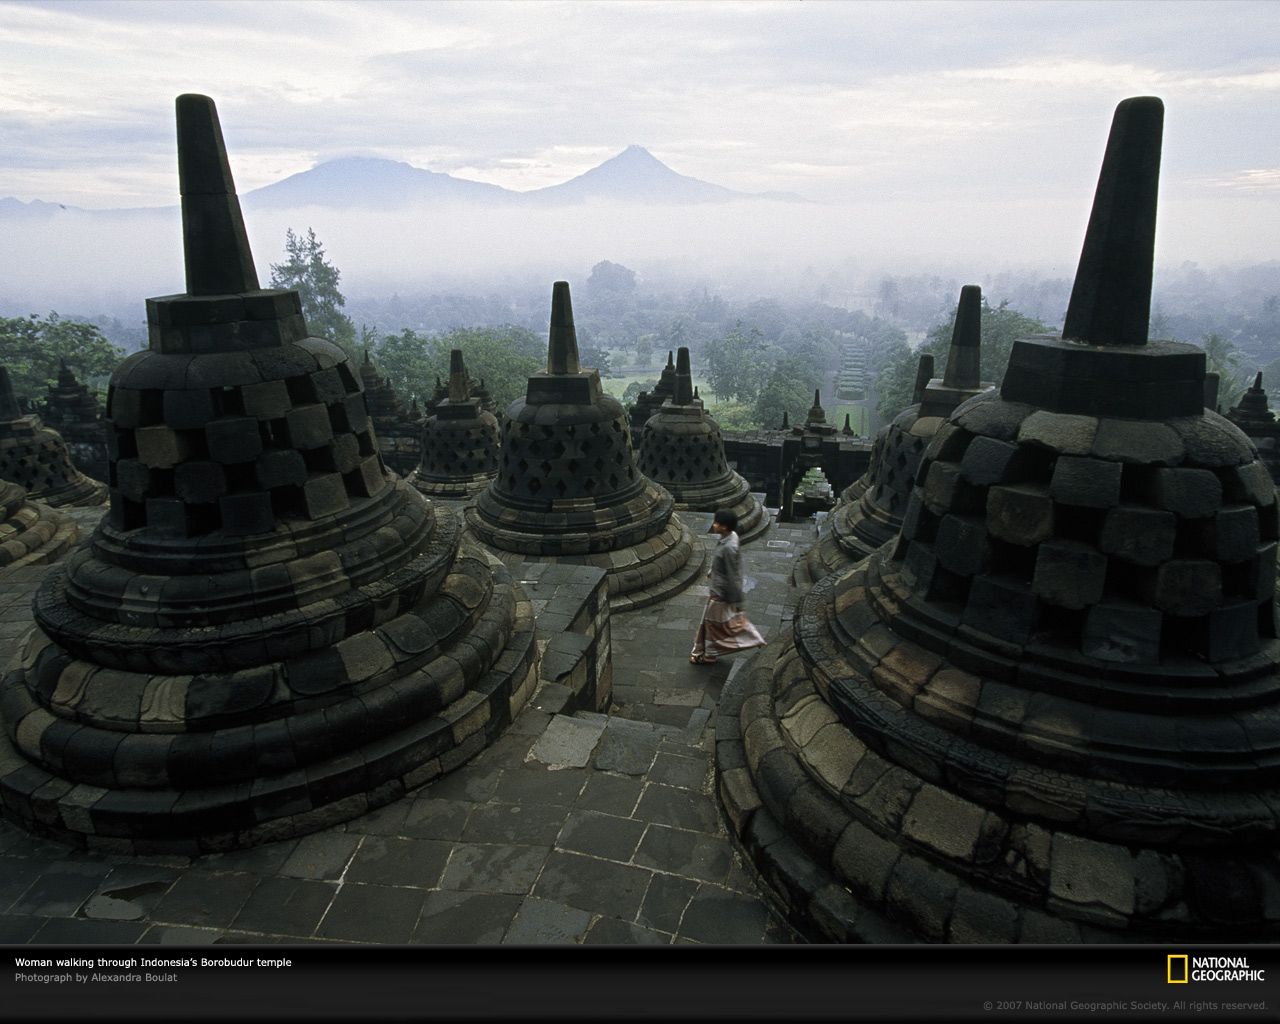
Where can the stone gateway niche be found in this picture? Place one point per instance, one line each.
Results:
(268, 633)
(568, 489)
(1051, 711)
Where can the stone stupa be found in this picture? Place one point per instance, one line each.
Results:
(872, 515)
(31, 533)
(268, 633)
(568, 489)
(1253, 415)
(684, 452)
(1051, 712)
(459, 441)
(37, 460)
(71, 409)
(647, 403)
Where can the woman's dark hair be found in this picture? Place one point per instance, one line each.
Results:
(727, 517)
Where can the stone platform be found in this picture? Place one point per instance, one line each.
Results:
(572, 827)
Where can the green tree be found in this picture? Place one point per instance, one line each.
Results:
(505, 357)
(1222, 357)
(1001, 327)
(736, 364)
(789, 388)
(306, 270)
(32, 347)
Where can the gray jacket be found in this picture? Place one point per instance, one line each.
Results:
(726, 570)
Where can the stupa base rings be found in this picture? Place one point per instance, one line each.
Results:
(854, 532)
(854, 846)
(1031, 745)
(317, 764)
(733, 493)
(452, 489)
(31, 533)
(637, 575)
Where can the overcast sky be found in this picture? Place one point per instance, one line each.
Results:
(940, 111)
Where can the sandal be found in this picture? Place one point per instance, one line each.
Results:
(701, 659)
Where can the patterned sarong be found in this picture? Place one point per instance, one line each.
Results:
(724, 631)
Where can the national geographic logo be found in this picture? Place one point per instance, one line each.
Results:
(1184, 968)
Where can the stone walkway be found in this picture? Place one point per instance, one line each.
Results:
(585, 828)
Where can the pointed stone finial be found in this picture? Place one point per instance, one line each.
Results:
(8, 403)
(924, 374)
(786, 420)
(1257, 382)
(414, 410)
(562, 350)
(669, 363)
(684, 380)
(847, 429)
(964, 359)
(458, 385)
(369, 362)
(1211, 384)
(215, 244)
(1111, 299)
(695, 392)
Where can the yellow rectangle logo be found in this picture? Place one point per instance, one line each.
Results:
(1182, 974)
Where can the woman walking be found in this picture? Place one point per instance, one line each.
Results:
(724, 627)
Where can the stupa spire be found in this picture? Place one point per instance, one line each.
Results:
(924, 374)
(684, 379)
(458, 386)
(964, 359)
(8, 403)
(215, 244)
(1111, 299)
(562, 349)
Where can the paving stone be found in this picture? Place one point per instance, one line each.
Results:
(467, 783)
(612, 794)
(691, 854)
(665, 901)
(286, 906)
(205, 899)
(611, 931)
(627, 748)
(567, 742)
(530, 784)
(17, 930)
(465, 917)
(372, 913)
(546, 922)
(391, 860)
(667, 805)
(322, 856)
(180, 935)
(591, 884)
(600, 835)
(719, 916)
(681, 772)
(60, 889)
(385, 821)
(515, 823)
(16, 876)
(73, 932)
(429, 818)
(494, 867)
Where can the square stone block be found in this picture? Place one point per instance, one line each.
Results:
(1091, 483)
(1002, 608)
(1069, 574)
(266, 401)
(133, 479)
(1233, 631)
(1021, 514)
(168, 516)
(1233, 535)
(1122, 632)
(940, 484)
(1186, 587)
(961, 545)
(366, 479)
(324, 495)
(987, 461)
(161, 447)
(1143, 536)
(309, 427)
(1190, 493)
(233, 440)
(281, 468)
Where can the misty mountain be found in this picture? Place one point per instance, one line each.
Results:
(375, 183)
(636, 175)
(633, 176)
